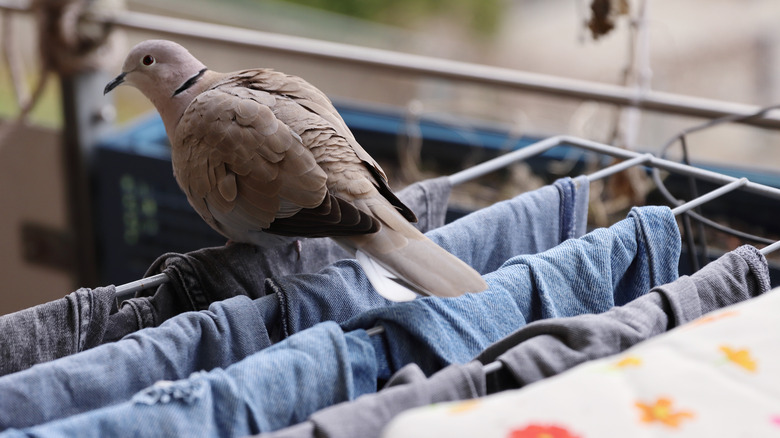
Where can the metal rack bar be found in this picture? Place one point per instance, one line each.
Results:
(632, 158)
(492, 367)
(502, 161)
(682, 208)
(767, 249)
(661, 163)
(615, 168)
(144, 283)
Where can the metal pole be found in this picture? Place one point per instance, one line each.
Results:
(615, 168)
(671, 166)
(503, 160)
(144, 283)
(82, 102)
(707, 197)
(767, 249)
(443, 68)
(434, 67)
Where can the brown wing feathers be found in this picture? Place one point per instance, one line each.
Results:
(257, 163)
(334, 217)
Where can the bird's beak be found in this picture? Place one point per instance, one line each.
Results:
(117, 81)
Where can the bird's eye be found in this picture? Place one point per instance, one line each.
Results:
(148, 60)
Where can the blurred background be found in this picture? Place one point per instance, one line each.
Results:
(74, 141)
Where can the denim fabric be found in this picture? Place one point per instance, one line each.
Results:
(204, 340)
(605, 268)
(407, 389)
(549, 347)
(55, 329)
(458, 329)
(108, 374)
(202, 277)
(527, 224)
(538, 220)
(269, 390)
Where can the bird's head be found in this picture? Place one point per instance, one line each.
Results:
(166, 73)
(158, 68)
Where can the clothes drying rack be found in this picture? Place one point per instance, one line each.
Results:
(633, 158)
(406, 63)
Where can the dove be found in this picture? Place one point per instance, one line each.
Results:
(264, 157)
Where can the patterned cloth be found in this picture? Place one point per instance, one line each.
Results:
(715, 376)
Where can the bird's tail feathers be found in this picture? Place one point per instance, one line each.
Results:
(385, 282)
(400, 261)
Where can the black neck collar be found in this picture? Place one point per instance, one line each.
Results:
(189, 83)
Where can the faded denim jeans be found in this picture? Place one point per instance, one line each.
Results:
(55, 329)
(286, 383)
(235, 328)
(202, 277)
(528, 224)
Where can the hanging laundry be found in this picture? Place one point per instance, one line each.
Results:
(55, 329)
(714, 376)
(528, 224)
(547, 347)
(235, 328)
(408, 388)
(551, 346)
(606, 267)
(287, 372)
(284, 384)
(81, 320)
(202, 277)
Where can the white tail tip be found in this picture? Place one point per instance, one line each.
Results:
(383, 280)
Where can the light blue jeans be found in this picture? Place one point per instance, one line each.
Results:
(318, 367)
(235, 328)
(607, 267)
(528, 224)
(199, 278)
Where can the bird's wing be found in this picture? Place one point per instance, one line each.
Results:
(309, 112)
(239, 166)
(244, 170)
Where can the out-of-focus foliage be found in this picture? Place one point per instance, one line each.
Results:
(482, 16)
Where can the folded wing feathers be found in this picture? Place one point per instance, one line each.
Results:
(236, 156)
(336, 217)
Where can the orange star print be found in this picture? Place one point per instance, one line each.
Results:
(629, 361)
(464, 406)
(662, 411)
(740, 357)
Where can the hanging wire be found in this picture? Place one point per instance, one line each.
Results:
(681, 137)
(702, 238)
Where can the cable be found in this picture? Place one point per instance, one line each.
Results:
(681, 137)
